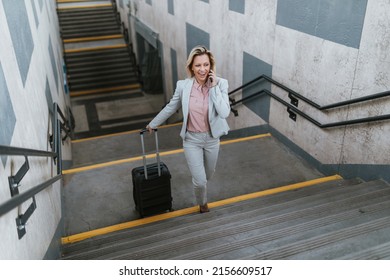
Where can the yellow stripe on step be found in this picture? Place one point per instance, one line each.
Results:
(96, 38)
(85, 235)
(101, 90)
(84, 7)
(71, 1)
(119, 46)
(167, 153)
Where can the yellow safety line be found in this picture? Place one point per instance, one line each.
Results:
(119, 46)
(70, 1)
(167, 153)
(84, 7)
(119, 133)
(100, 90)
(85, 235)
(96, 38)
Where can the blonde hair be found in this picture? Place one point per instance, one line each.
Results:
(199, 50)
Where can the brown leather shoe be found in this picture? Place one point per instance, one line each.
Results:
(204, 208)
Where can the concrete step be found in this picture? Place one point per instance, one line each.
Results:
(73, 59)
(101, 72)
(189, 246)
(378, 252)
(219, 232)
(358, 243)
(123, 145)
(246, 210)
(75, 20)
(365, 227)
(90, 85)
(99, 64)
(90, 35)
(84, 11)
(101, 77)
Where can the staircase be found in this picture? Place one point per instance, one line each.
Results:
(101, 66)
(88, 21)
(255, 212)
(101, 70)
(343, 219)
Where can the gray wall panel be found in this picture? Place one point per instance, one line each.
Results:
(337, 21)
(19, 28)
(49, 97)
(171, 8)
(237, 6)
(174, 67)
(196, 36)
(7, 114)
(53, 62)
(252, 68)
(35, 13)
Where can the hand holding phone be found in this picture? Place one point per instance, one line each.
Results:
(212, 78)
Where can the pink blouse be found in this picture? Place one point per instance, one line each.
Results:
(198, 116)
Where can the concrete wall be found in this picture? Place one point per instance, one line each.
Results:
(31, 79)
(326, 50)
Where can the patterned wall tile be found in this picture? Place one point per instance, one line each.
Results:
(7, 114)
(174, 67)
(171, 8)
(253, 68)
(337, 21)
(237, 6)
(49, 97)
(35, 13)
(20, 30)
(196, 36)
(53, 62)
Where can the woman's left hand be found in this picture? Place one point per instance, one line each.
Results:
(212, 79)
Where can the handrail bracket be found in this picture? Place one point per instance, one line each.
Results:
(22, 219)
(293, 100)
(14, 181)
(292, 114)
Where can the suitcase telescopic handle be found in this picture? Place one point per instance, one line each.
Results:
(144, 154)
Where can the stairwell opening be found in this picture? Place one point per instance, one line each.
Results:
(150, 64)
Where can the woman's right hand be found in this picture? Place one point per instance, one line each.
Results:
(149, 129)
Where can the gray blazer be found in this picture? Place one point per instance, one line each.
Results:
(219, 107)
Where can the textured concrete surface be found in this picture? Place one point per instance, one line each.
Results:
(103, 197)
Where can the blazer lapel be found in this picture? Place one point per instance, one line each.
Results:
(186, 98)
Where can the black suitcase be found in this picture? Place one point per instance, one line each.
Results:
(151, 184)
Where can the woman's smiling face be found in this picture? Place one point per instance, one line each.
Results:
(201, 68)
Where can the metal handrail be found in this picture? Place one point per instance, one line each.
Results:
(310, 102)
(294, 110)
(18, 199)
(16, 151)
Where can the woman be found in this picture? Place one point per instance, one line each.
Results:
(204, 100)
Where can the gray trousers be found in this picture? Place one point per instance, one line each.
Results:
(201, 152)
